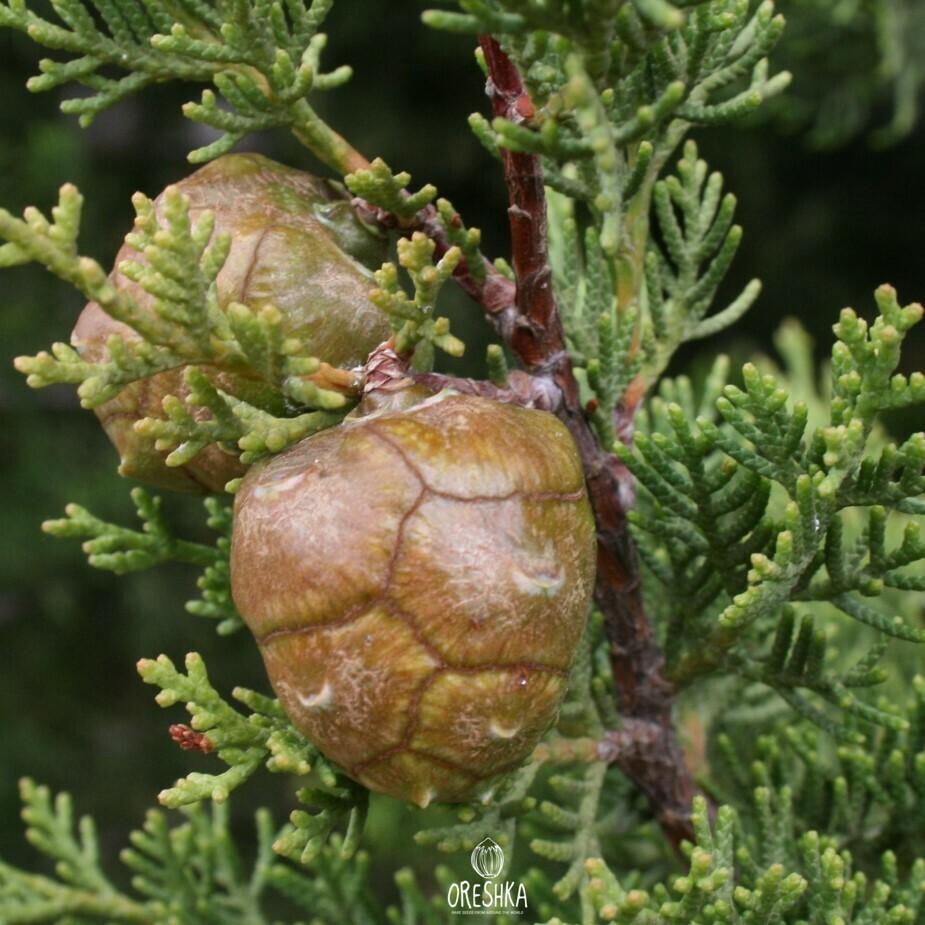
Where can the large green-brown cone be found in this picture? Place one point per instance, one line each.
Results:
(296, 244)
(418, 583)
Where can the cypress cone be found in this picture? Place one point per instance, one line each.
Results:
(418, 583)
(297, 244)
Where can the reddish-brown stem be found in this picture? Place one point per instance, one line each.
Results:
(537, 338)
(646, 747)
(526, 316)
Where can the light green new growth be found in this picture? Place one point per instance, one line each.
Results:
(496, 365)
(232, 422)
(416, 328)
(245, 742)
(120, 549)
(179, 326)
(264, 737)
(180, 278)
(413, 318)
(382, 189)
(386, 190)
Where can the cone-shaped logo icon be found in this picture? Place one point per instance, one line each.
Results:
(487, 859)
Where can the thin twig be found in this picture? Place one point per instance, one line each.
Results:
(491, 288)
(521, 389)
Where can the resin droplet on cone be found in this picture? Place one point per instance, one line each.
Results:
(296, 244)
(418, 583)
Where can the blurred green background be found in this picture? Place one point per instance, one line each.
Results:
(823, 228)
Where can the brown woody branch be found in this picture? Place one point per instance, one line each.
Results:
(537, 337)
(646, 747)
(525, 314)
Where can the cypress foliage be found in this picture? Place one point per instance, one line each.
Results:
(760, 549)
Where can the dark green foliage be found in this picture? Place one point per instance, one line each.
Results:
(634, 90)
(862, 70)
(866, 795)
(246, 51)
(778, 525)
(699, 243)
(754, 510)
(730, 882)
(188, 872)
(813, 834)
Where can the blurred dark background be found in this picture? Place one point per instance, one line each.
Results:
(823, 228)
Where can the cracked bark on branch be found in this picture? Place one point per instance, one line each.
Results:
(646, 747)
